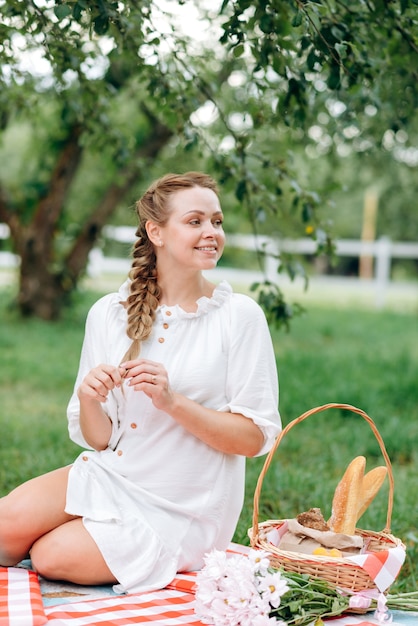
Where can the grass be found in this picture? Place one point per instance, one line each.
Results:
(362, 358)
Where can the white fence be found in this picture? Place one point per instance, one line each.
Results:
(382, 251)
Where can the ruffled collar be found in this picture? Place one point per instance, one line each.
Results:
(221, 293)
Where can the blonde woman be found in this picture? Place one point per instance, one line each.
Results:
(177, 384)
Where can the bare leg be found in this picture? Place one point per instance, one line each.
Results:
(29, 511)
(69, 553)
(33, 520)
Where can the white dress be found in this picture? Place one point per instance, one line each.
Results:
(157, 498)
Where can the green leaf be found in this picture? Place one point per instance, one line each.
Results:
(238, 50)
(279, 64)
(297, 19)
(334, 80)
(341, 48)
(62, 11)
(78, 11)
(101, 24)
(312, 59)
(307, 212)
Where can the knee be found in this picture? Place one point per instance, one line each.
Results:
(50, 558)
(10, 520)
(12, 544)
(44, 559)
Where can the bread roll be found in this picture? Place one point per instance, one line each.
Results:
(372, 481)
(347, 498)
(313, 519)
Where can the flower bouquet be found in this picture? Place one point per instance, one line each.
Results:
(244, 590)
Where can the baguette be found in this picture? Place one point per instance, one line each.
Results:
(372, 482)
(347, 498)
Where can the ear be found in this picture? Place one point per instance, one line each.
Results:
(153, 232)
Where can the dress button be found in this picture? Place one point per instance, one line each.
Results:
(133, 425)
(119, 453)
(168, 313)
(161, 339)
(165, 325)
(85, 458)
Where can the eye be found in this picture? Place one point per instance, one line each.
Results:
(218, 222)
(195, 221)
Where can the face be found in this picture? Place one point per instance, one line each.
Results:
(193, 237)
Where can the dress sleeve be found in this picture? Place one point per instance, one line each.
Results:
(93, 352)
(252, 382)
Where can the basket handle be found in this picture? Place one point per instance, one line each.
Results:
(296, 421)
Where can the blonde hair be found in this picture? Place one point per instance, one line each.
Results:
(145, 292)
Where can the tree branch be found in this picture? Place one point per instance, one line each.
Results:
(50, 206)
(76, 259)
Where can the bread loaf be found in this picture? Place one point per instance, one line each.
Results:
(372, 481)
(347, 498)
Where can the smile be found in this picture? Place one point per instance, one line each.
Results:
(207, 248)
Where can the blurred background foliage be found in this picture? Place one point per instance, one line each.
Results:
(297, 108)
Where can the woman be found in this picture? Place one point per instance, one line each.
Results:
(177, 384)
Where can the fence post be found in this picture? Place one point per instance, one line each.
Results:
(382, 273)
(272, 260)
(95, 263)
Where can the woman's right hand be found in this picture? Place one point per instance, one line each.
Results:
(99, 381)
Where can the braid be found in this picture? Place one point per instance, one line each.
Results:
(143, 299)
(145, 293)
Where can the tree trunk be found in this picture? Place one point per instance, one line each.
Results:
(77, 258)
(41, 285)
(41, 292)
(46, 281)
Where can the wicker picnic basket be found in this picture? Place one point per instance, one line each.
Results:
(340, 572)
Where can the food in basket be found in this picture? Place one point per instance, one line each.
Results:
(354, 494)
(333, 552)
(347, 498)
(313, 519)
(311, 534)
(372, 482)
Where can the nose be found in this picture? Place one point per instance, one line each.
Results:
(210, 229)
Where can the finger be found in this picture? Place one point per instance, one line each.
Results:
(90, 389)
(98, 387)
(142, 378)
(110, 376)
(123, 372)
(102, 380)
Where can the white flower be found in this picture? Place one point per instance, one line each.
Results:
(260, 560)
(272, 586)
(215, 564)
(231, 590)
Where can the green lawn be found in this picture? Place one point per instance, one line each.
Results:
(362, 358)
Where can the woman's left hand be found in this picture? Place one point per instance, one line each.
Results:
(151, 378)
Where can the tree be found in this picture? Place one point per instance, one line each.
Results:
(276, 66)
(85, 121)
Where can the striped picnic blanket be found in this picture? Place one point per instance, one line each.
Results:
(21, 605)
(20, 598)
